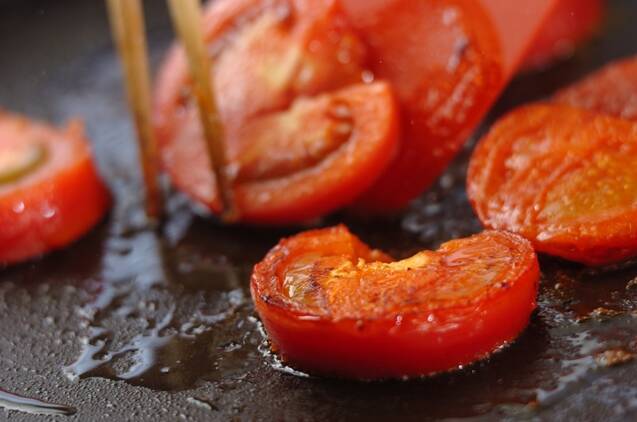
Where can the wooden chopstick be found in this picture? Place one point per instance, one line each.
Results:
(127, 25)
(187, 19)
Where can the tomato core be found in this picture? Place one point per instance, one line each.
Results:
(18, 161)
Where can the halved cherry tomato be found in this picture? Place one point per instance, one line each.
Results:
(304, 137)
(50, 192)
(331, 305)
(569, 24)
(563, 178)
(610, 90)
(297, 164)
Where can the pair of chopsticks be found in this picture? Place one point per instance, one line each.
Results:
(127, 24)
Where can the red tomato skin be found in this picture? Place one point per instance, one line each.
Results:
(518, 24)
(441, 103)
(397, 347)
(55, 211)
(569, 24)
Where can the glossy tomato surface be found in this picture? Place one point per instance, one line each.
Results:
(562, 177)
(429, 74)
(333, 306)
(569, 24)
(50, 192)
(443, 58)
(304, 134)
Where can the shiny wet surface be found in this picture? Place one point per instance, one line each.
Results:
(143, 324)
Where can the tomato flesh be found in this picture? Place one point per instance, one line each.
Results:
(562, 177)
(18, 160)
(333, 306)
(51, 193)
(303, 135)
(306, 164)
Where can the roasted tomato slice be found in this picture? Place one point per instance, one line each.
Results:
(50, 192)
(610, 90)
(570, 23)
(443, 59)
(333, 306)
(304, 135)
(563, 178)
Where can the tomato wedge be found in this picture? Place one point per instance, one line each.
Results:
(563, 178)
(298, 164)
(333, 306)
(304, 135)
(569, 24)
(50, 192)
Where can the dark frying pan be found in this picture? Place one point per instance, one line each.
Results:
(133, 324)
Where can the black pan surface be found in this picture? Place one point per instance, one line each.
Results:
(135, 324)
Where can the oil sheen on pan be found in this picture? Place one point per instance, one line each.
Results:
(131, 324)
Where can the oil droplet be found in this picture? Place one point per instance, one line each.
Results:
(573, 370)
(367, 76)
(12, 401)
(271, 357)
(204, 404)
(449, 16)
(18, 208)
(48, 212)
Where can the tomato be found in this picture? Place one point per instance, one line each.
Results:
(443, 60)
(563, 178)
(297, 164)
(304, 136)
(569, 24)
(50, 192)
(333, 306)
(610, 90)
(444, 72)
(518, 23)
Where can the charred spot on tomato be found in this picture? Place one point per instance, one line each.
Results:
(460, 49)
(20, 160)
(185, 95)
